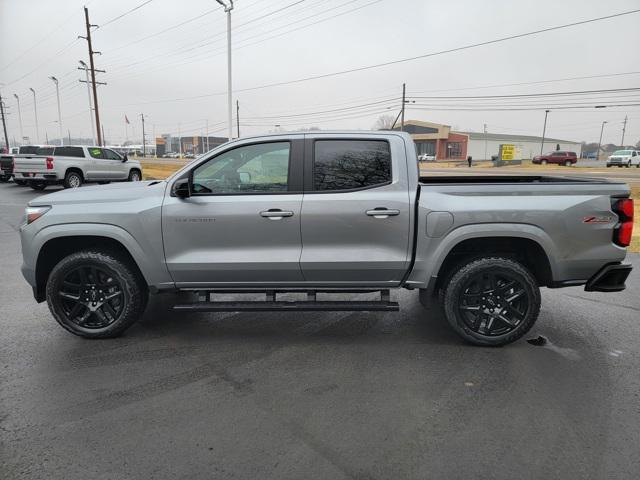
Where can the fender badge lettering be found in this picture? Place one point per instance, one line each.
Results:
(606, 219)
(195, 220)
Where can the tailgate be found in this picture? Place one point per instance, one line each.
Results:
(6, 164)
(31, 164)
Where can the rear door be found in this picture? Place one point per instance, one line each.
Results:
(241, 224)
(355, 211)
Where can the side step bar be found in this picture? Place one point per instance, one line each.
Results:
(205, 304)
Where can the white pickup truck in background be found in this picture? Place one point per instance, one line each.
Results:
(624, 158)
(72, 166)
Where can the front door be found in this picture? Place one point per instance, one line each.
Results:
(241, 224)
(115, 167)
(356, 212)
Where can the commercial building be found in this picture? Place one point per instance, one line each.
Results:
(445, 144)
(186, 145)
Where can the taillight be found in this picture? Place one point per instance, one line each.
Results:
(49, 163)
(622, 233)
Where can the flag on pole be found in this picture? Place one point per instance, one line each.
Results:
(126, 120)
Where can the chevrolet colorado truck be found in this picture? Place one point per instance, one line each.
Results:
(325, 213)
(72, 166)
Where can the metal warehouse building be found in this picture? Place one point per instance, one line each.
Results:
(445, 144)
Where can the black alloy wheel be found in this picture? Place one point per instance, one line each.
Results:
(96, 294)
(91, 297)
(491, 301)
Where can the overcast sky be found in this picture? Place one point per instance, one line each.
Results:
(160, 75)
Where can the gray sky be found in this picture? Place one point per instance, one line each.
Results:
(37, 39)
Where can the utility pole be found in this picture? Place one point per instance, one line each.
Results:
(85, 67)
(93, 74)
(4, 124)
(402, 112)
(600, 141)
(485, 141)
(35, 111)
(144, 145)
(207, 134)
(238, 116)
(19, 118)
(55, 80)
(227, 9)
(624, 128)
(544, 131)
(104, 140)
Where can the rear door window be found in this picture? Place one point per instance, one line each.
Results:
(96, 152)
(351, 164)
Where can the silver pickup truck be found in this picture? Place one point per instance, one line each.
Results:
(72, 166)
(323, 213)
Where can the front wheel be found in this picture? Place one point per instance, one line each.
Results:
(95, 294)
(492, 301)
(134, 176)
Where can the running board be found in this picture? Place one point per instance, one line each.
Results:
(205, 304)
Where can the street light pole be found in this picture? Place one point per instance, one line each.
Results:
(19, 118)
(544, 131)
(85, 67)
(600, 141)
(227, 9)
(35, 111)
(55, 80)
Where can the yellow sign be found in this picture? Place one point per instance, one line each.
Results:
(508, 152)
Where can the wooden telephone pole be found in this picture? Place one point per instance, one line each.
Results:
(93, 71)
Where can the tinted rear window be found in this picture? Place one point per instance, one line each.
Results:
(28, 150)
(69, 152)
(351, 164)
(44, 151)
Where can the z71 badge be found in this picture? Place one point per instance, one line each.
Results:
(595, 219)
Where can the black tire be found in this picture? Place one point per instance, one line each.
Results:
(104, 274)
(567, 163)
(38, 186)
(543, 162)
(5, 178)
(135, 175)
(73, 179)
(489, 280)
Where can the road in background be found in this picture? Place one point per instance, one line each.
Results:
(316, 395)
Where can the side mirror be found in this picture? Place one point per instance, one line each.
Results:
(182, 188)
(124, 158)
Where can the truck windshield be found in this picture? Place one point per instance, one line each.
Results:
(622, 152)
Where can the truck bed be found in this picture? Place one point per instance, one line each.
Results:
(506, 178)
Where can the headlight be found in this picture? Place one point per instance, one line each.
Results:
(31, 214)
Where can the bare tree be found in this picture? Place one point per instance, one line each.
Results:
(384, 122)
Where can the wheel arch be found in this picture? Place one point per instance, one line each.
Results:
(56, 247)
(74, 169)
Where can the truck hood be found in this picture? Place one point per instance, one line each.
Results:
(115, 192)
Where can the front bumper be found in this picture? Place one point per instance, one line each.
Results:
(609, 278)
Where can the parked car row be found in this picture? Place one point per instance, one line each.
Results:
(41, 165)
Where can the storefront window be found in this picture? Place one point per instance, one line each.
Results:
(454, 150)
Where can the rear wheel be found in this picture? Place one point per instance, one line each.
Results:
(38, 186)
(134, 176)
(491, 301)
(543, 162)
(72, 179)
(95, 294)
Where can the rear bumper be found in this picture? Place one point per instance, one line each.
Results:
(37, 177)
(609, 278)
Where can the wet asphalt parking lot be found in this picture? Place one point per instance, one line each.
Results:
(316, 395)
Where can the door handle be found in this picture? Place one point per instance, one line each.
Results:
(382, 212)
(276, 214)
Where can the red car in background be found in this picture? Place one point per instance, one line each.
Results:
(558, 157)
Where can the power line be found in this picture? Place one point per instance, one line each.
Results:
(545, 94)
(115, 19)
